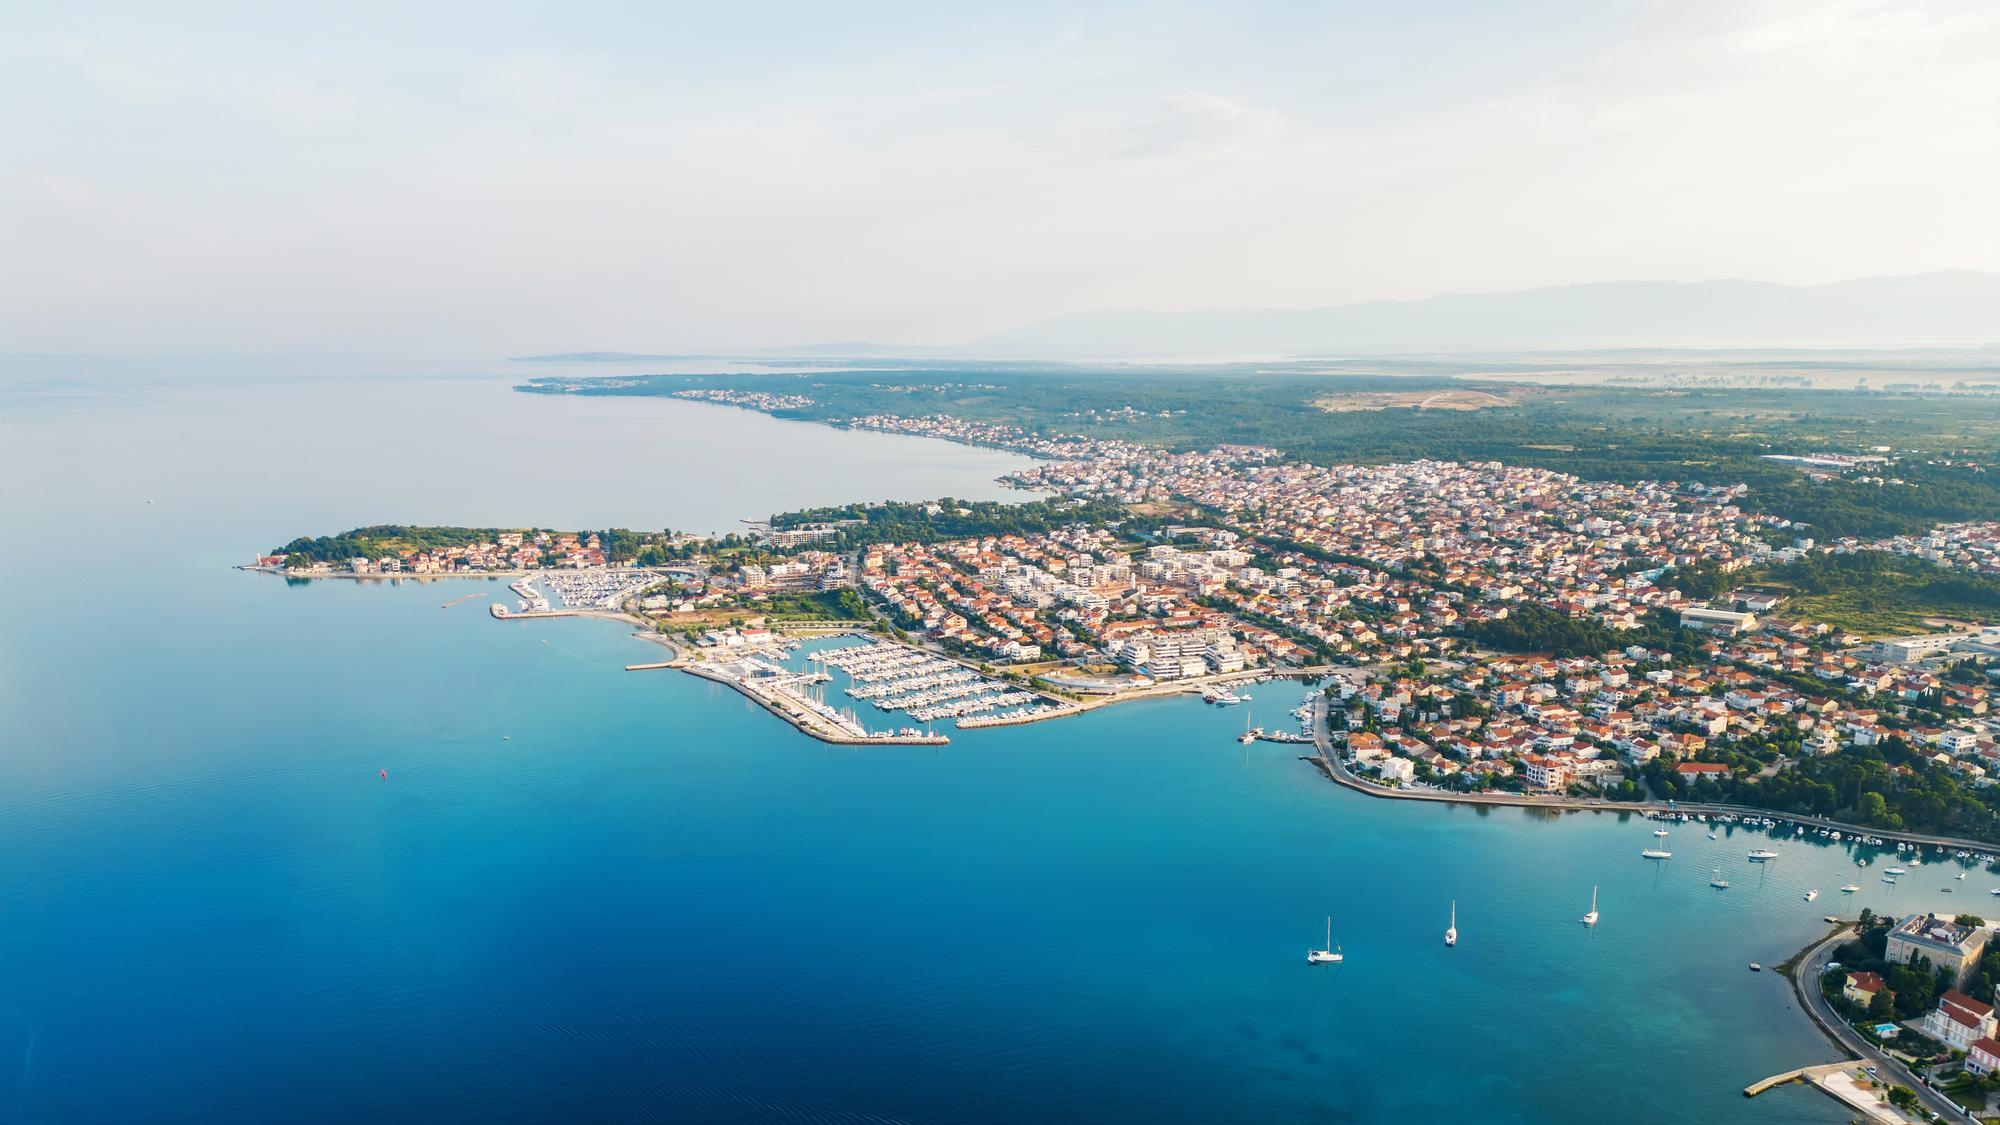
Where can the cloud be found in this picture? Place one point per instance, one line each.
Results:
(650, 177)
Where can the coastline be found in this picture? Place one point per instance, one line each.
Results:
(1329, 765)
(1324, 759)
(1804, 970)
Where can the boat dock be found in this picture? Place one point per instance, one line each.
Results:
(505, 614)
(926, 686)
(1811, 1074)
(982, 722)
(789, 696)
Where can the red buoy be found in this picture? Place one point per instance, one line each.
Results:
(385, 775)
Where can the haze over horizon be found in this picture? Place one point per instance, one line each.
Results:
(689, 179)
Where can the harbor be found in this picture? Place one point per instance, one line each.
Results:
(928, 688)
(573, 592)
(799, 696)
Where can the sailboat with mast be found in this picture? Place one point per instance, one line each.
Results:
(1451, 931)
(1328, 956)
(1590, 919)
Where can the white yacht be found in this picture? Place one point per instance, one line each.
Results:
(1659, 832)
(1852, 887)
(1590, 919)
(1895, 871)
(1451, 931)
(1759, 855)
(1657, 853)
(1326, 956)
(1717, 881)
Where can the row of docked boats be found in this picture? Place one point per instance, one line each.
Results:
(923, 686)
(1834, 835)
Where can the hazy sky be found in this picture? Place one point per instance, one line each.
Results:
(499, 178)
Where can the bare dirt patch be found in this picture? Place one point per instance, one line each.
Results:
(1420, 400)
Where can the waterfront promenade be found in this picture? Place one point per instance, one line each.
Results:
(1805, 976)
(1328, 762)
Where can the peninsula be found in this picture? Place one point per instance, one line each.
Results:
(1498, 629)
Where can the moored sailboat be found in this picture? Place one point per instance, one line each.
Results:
(1330, 954)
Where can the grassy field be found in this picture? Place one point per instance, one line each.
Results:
(1858, 612)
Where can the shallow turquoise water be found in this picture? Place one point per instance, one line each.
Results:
(590, 894)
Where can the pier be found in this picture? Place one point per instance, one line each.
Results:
(816, 719)
(503, 613)
(1810, 1074)
(983, 722)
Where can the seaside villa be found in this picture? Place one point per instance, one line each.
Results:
(1939, 939)
(1959, 1021)
(1983, 1058)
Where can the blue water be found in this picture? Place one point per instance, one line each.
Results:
(587, 894)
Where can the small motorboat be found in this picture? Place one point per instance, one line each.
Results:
(1812, 894)
(1755, 967)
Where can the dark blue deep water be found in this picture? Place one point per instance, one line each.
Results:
(586, 894)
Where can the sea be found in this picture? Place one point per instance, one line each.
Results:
(583, 894)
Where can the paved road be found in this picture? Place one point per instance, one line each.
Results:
(1806, 983)
(1341, 774)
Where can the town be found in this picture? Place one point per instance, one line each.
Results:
(1485, 629)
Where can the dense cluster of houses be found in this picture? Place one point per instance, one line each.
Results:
(1387, 564)
(1074, 594)
(754, 400)
(508, 551)
(1964, 546)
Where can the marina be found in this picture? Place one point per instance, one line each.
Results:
(799, 698)
(571, 592)
(928, 688)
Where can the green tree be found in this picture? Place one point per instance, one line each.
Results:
(1880, 1005)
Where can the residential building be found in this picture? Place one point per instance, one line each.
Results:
(1959, 1021)
(1938, 938)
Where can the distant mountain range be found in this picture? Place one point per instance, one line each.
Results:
(1951, 308)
